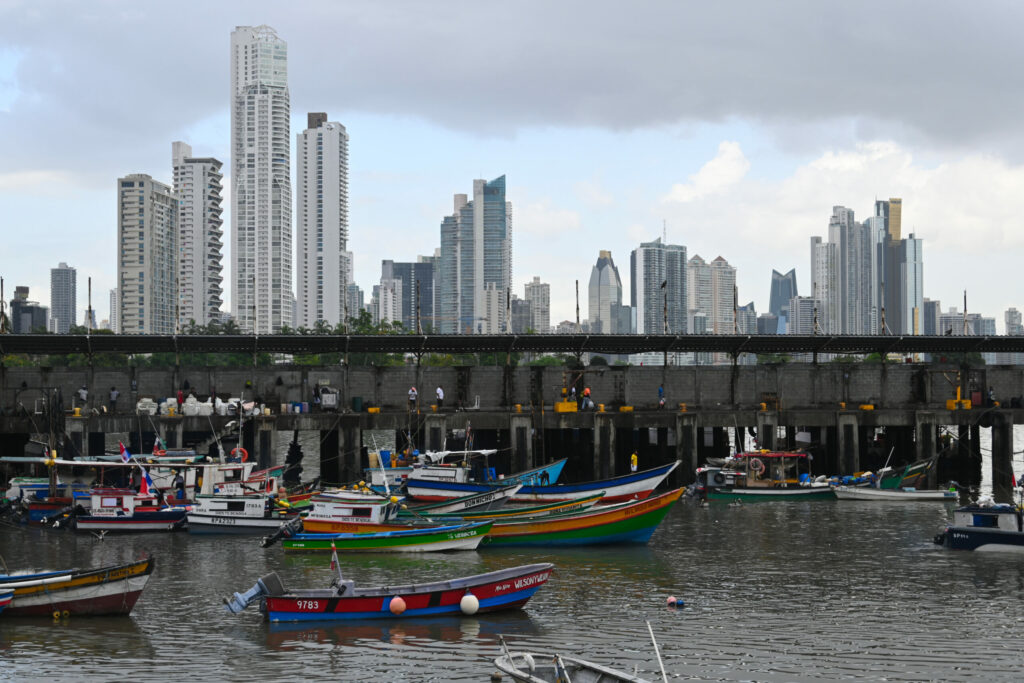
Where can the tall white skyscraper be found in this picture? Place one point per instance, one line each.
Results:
(658, 287)
(261, 197)
(323, 268)
(197, 186)
(147, 263)
(538, 295)
(63, 303)
(605, 296)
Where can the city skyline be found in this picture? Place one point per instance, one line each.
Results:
(748, 179)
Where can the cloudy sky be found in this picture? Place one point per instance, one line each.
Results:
(732, 126)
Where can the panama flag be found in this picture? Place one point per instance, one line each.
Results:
(158, 445)
(146, 487)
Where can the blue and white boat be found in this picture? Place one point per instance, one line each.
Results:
(985, 526)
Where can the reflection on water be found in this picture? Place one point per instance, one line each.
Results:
(780, 591)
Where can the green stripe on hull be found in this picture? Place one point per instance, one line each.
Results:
(379, 544)
(763, 497)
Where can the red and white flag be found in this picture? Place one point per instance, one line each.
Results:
(334, 556)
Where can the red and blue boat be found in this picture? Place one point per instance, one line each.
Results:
(504, 589)
(617, 489)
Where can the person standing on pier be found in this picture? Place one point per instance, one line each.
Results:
(661, 397)
(633, 462)
(440, 398)
(114, 393)
(413, 396)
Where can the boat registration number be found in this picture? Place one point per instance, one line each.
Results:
(222, 520)
(312, 605)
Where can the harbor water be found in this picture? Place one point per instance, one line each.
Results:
(773, 592)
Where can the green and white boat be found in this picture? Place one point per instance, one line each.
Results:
(762, 476)
(411, 540)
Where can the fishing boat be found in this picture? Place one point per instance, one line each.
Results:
(904, 495)
(476, 503)
(5, 598)
(985, 526)
(418, 540)
(532, 667)
(631, 522)
(503, 589)
(111, 590)
(125, 510)
(238, 514)
(507, 512)
(617, 489)
(762, 476)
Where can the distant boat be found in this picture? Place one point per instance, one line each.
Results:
(762, 476)
(238, 514)
(105, 591)
(617, 489)
(903, 495)
(498, 590)
(126, 510)
(416, 540)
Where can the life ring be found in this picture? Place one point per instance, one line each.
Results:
(245, 453)
(756, 465)
(159, 451)
(719, 478)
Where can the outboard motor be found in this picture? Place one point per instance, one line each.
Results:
(286, 530)
(267, 585)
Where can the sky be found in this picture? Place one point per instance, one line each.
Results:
(732, 128)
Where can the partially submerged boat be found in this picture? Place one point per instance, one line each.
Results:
(890, 495)
(498, 590)
(111, 590)
(533, 667)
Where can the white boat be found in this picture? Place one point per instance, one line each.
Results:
(237, 514)
(905, 495)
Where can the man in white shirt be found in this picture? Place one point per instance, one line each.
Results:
(440, 398)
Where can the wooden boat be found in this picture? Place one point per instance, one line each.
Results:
(351, 511)
(617, 489)
(509, 512)
(762, 476)
(904, 495)
(632, 522)
(416, 540)
(105, 591)
(126, 510)
(238, 514)
(503, 589)
(457, 466)
(985, 526)
(531, 667)
(5, 598)
(475, 503)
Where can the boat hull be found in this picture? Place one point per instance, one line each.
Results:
(239, 526)
(164, 520)
(637, 485)
(439, 539)
(754, 495)
(629, 523)
(495, 591)
(100, 592)
(578, 505)
(900, 495)
(984, 540)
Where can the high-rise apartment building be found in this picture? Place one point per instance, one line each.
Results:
(147, 263)
(323, 264)
(197, 186)
(27, 317)
(416, 285)
(658, 287)
(900, 271)
(476, 251)
(843, 275)
(1014, 327)
(723, 297)
(261, 196)
(63, 304)
(115, 310)
(604, 296)
(931, 312)
(538, 295)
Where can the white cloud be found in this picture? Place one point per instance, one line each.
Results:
(727, 168)
(541, 218)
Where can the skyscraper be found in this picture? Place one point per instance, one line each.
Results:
(63, 304)
(476, 251)
(900, 271)
(197, 186)
(147, 265)
(843, 275)
(27, 317)
(115, 310)
(416, 292)
(658, 287)
(323, 265)
(783, 289)
(261, 197)
(604, 296)
(538, 295)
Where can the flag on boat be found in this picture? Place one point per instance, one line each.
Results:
(159, 447)
(146, 487)
(334, 556)
(125, 455)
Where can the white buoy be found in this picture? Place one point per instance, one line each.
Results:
(469, 604)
